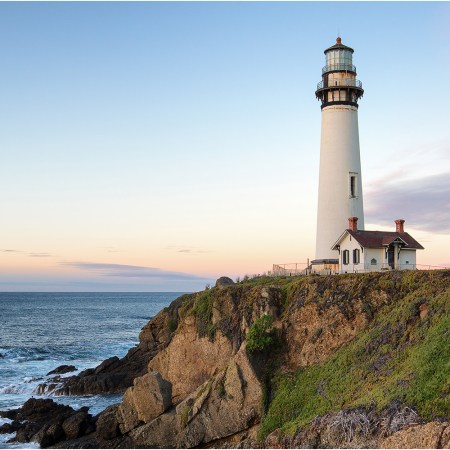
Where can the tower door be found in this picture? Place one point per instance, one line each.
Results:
(391, 257)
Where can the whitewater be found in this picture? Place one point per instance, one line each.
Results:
(41, 331)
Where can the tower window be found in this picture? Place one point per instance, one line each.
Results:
(353, 188)
(356, 257)
(345, 257)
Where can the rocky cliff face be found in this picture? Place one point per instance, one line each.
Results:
(192, 382)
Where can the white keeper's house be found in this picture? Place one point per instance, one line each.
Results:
(365, 251)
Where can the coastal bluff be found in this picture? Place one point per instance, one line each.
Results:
(345, 361)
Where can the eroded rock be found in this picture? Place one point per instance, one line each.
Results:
(428, 435)
(149, 397)
(224, 406)
(159, 433)
(190, 360)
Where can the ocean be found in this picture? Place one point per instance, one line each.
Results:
(41, 331)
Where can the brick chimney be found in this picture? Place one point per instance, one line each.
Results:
(399, 226)
(353, 223)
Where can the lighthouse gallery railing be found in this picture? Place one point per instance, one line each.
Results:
(344, 82)
(340, 67)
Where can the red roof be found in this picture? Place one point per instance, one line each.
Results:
(380, 239)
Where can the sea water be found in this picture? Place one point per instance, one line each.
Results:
(41, 331)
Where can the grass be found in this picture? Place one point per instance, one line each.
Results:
(399, 356)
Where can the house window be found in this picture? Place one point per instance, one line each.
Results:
(353, 188)
(373, 261)
(345, 257)
(356, 256)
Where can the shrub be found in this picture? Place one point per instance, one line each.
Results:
(172, 324)
(260, 335)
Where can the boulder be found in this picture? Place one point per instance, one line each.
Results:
(107, 424)
(224, 282)
(159, 433)
(150, 396)
(76, 425)
(126, 413)
(49, 435)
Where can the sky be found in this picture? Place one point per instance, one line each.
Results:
(157, 146)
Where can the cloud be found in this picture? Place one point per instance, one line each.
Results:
(187, 249)
(39, 255)
(8, 250)
(424, 203)
(112, 250)
(129, 271)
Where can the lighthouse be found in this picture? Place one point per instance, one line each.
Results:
(340, 187)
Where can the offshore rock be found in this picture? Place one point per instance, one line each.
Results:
(62, 369)
(46, 422)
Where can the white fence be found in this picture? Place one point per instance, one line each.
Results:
(290, 269)
(298, 269)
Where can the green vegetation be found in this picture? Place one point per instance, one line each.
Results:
(401, 355)
(184, 416)
(172, 324)
(202, 310)
(260, 335)
(220, 388)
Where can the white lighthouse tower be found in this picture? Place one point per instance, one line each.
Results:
(340, 188)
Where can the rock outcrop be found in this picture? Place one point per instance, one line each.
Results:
(190, 360)
(62, 369)
(192, 382)
(226, 404)
(429, 435)
(45, 422)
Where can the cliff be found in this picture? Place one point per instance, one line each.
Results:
(358, 360)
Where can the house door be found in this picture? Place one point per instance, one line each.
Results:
(391, 257)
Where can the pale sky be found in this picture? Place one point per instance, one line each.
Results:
(158, 146)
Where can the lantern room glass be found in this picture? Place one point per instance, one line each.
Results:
(339, 58)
